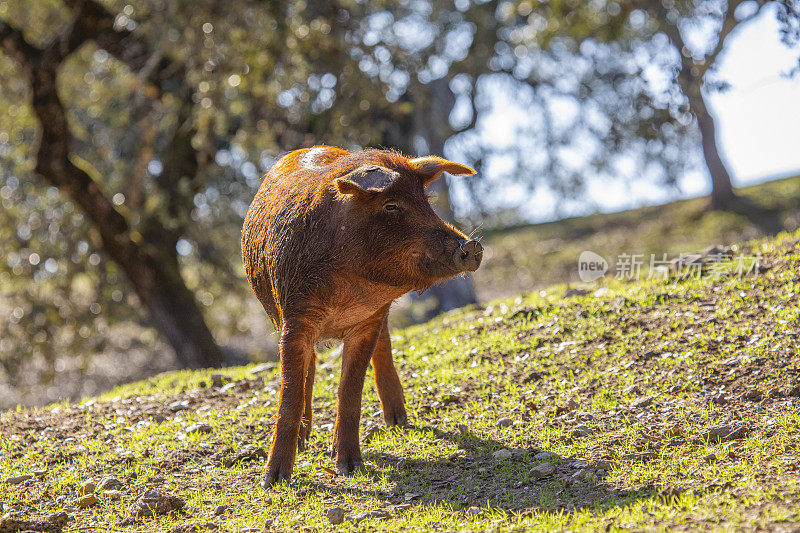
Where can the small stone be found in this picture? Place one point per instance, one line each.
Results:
(109, 483)
(504, 422)
(86, 501)
(793, 391)
(218, 380)
(463, 429)
(753, 395)
(198, 428)
(402, 507)
(546, 456)
(16, 480)
(227, 387)
(152, 502)
(380, 514)
(674, 431)
(474, 511)
(87, 488)
(723, 432)
(263, 367)
(112, 494)
(502, 454)
(178, 406)
(710, 457)
(542, 470)
(335, 515)
(642, 402)
(39, 472)
(581, 430)
(356, 518)
(220, 510)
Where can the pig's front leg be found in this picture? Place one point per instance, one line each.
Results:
(359, 344)
(387, 381)
(296, 351)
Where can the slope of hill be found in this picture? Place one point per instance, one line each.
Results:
(648, 405)
(536, 256)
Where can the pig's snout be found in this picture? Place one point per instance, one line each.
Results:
(468, 256)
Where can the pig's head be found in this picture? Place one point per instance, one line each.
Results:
(396, 236)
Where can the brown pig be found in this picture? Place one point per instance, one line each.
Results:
(331, 239)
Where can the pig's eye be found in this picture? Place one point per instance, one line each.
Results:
(391, 207)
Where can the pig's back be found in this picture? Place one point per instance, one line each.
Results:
(286, 238)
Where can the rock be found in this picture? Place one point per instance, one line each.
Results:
(402, 507)
(640, 456)
(108, 483)
(39, 472)
(16, 480)
(474, 511)
(674, 431)
(112, 494)
(581, 430)
(198, 428)
(720, 399)
(178, 406)
(542, 470)
(335, 515)
(502, 454)
(227, 387)
(87, 488)
(263, 367)
(642, 402)
(723, 432)
(753, 395)
(380, 514)
(356, 518)
(218, 380)
(793, 391)
(463, 429)
(53, 524)
(504, 422)
(710, 457)
(248, 453)
(546, 456)
(152, 503)
(220, 510)
(86, 500)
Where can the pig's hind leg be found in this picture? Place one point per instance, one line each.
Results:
(305, 424)
(359, 345)
(390, 390)
(296, 351)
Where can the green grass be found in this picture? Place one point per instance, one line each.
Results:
(549, 363)
(536, 256)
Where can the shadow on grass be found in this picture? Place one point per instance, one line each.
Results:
(474, 477)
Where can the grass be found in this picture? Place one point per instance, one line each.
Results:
(536, 256)
(621, 384)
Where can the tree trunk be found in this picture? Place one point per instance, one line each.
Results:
(150, 262)
(173, 309)
(433, 124)
(722, 194)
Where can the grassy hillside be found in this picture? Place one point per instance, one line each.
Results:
(536, 256)
(656, 405)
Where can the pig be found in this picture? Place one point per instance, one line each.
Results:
(331, 239)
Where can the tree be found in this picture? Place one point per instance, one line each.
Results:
(599, 85)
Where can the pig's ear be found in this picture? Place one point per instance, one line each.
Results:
(431, 167)
(366, 180)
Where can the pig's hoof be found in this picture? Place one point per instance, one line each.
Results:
(398, 418)
(349, 466)
(302, 438)
(275, 476)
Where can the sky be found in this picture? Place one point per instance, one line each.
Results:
(757, 119)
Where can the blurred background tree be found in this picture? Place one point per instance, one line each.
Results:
(133, 135)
